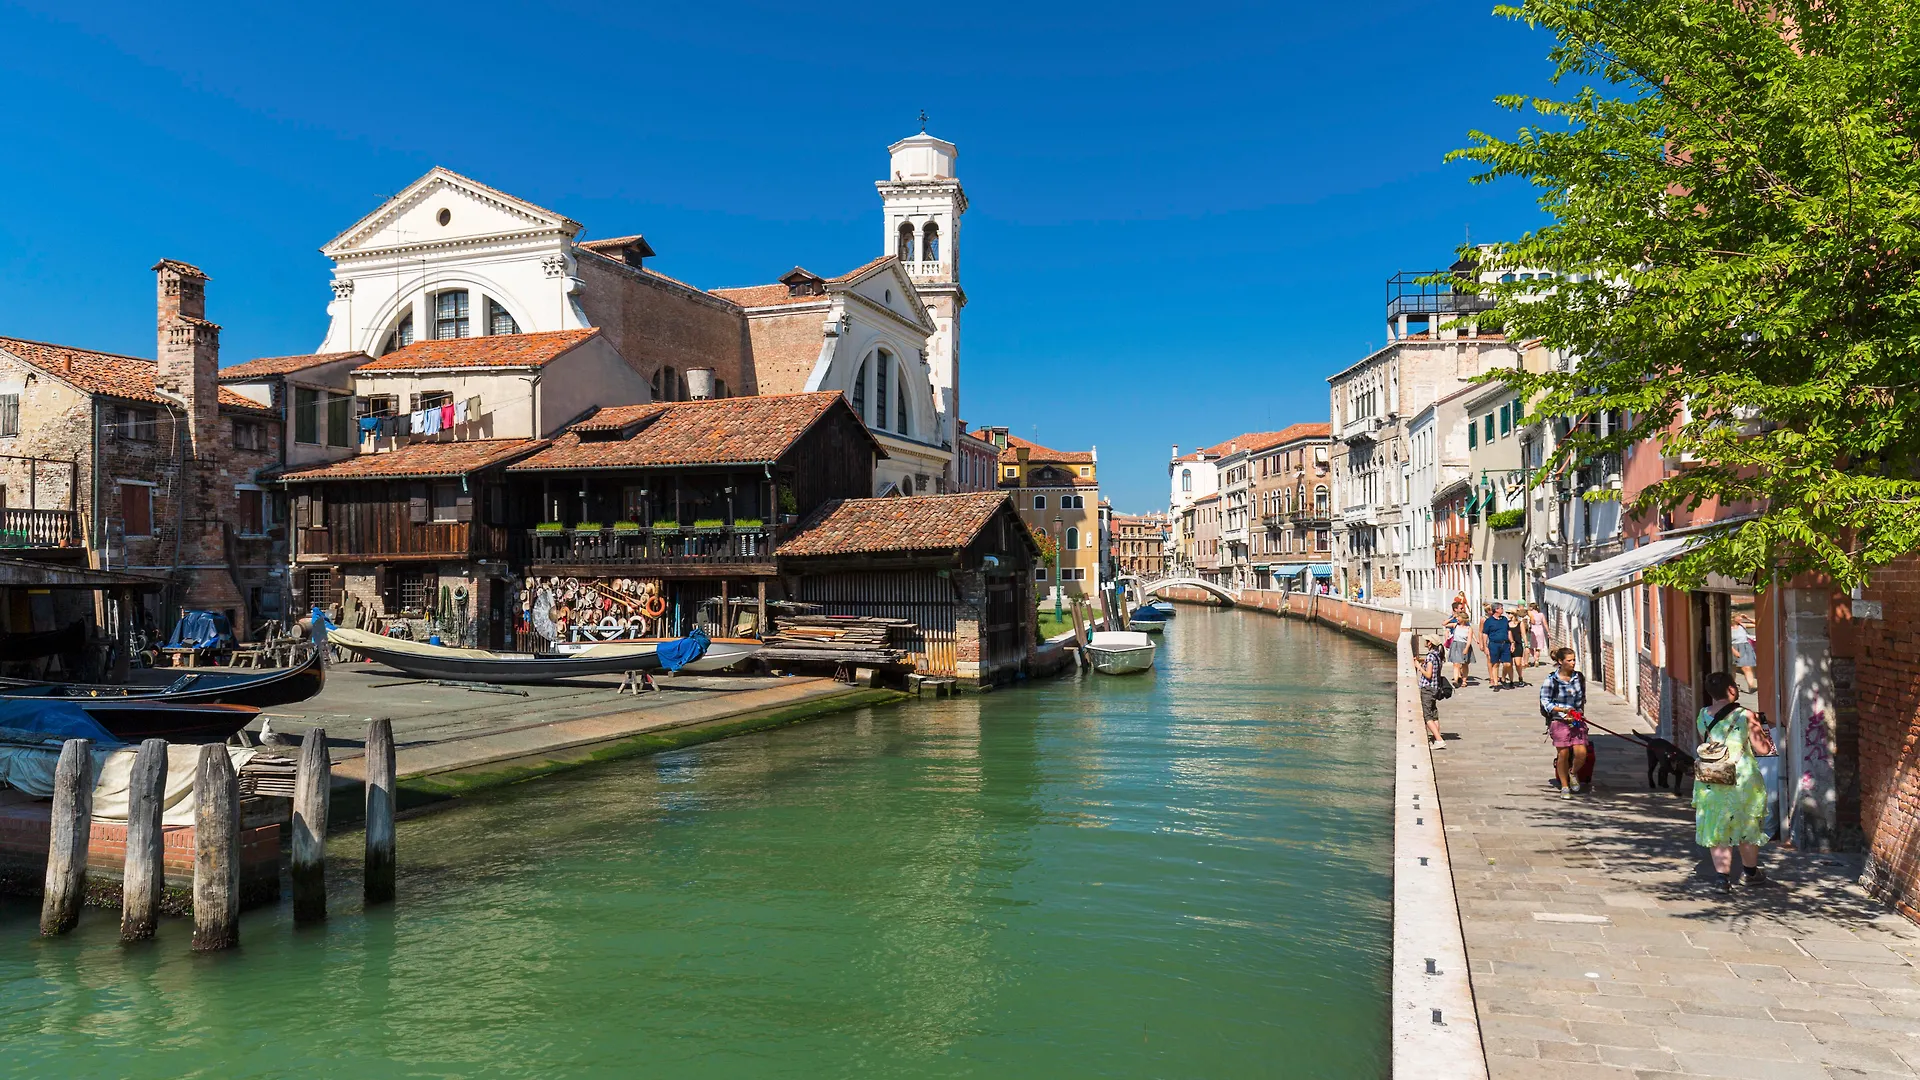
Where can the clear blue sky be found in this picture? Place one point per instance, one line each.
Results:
(1182, 215)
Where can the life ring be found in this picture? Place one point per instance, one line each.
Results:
(655, 607)
(459, 594)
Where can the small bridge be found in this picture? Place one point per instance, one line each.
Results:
(1231, 596)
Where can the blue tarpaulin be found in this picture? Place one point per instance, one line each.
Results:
(675, 655)
(54, 718)
(201, 630)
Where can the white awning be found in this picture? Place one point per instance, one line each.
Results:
(1572, 590)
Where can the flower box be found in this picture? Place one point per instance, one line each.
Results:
(626, 526)
(549, 527)
(587, 526)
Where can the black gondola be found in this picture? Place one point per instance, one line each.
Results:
(260, 690)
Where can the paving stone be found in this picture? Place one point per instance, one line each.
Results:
(1776, 983)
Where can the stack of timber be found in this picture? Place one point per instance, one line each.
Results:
(838, 639)
(269, 774)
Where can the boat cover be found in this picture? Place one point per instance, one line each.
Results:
(55, 718)
(675, 655)
(29, 769)
(201, 630)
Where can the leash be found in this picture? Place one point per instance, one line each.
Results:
(1632, 737)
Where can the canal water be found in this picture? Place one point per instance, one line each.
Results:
(1181, 874)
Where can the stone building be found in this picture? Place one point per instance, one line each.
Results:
(1058, 493)
(1437, 452)
(1435, 346)
(1289, 509)
(449, 257)
(1140, 544)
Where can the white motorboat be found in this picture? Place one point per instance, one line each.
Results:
(1120, 652)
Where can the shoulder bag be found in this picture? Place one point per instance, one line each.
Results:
(1713, 760)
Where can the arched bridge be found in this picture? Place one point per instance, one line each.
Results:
(1231, 596)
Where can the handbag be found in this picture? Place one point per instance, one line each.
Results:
(1713, 761)
(1442, 688)
(1763, 746)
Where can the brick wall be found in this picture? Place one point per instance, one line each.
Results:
(1887, 681)
(785, 349)
(1379, 625)
(654, 323)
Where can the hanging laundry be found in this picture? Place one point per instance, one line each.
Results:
(369, 425)
(459, 412)
(430, 421)
(446, 415)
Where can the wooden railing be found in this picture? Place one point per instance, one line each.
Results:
(386, 536)
(39, 528)
(609, 547)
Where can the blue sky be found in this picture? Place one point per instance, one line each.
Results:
(1182, 216)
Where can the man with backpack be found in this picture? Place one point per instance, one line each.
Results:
(1563, 704)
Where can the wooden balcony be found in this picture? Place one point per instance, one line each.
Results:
(689, 552)
(39, 529)
(391, 538)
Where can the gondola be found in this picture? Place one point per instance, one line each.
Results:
(257, 689)
(482, 665)
(133, 719)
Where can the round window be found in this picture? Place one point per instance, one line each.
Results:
(444, 216)
(889, 296)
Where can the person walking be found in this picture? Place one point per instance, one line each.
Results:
(1518, 628)
(1427, 663)
(1537, 633)
(1460, 641)
(1733, 814)
(1744, 654)
(1563, 704)
(1496, 636)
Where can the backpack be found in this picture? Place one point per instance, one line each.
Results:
(1442, 688)
(1713, 762)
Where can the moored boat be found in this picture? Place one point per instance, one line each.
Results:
(483, 665)
(1147, 618)
(1120, 652)
(258, 689)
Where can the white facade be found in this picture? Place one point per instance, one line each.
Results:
(1437, 457)
(922, 204)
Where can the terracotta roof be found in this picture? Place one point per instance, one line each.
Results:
(1260, 440)
(1037, 454)
(179, 267)
(615, 243)
(108, 374)
(727, 431)
(916, 523)
(777, 294)
(283, 365)
(494, 350)
(1215, 497)
(419, 459)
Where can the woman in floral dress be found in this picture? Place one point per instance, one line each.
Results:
(1726, 816)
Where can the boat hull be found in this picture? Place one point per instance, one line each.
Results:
(259, 690)
(133, 719)
(478, 665)
(1121, 661)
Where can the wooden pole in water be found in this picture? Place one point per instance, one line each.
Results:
(216, 852)
(311, 785)
(1079, 638)
(380, 839)
(142, 881)
(68, 831)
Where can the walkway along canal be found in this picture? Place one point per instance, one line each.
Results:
(1179, 874)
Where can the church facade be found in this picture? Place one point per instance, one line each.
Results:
(449, 257)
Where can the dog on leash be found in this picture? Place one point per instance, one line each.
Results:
(1672, 765)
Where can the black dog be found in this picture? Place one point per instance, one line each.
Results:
(1673, 764)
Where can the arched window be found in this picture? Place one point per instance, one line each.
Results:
(401, 335)
(1186, 479)
(904, 249)
(929, 242)
(860, 391)
(1320, 508)
(900, 402)
(1039, 502)
(499, 320)
(1073, 534)
(880, 389)
(1289, 499)
(450, 314)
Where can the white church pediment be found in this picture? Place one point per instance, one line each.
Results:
(887, 285)
(444, 209)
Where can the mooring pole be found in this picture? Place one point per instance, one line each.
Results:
(144, 879)
(68, 831)
(216, 851)
(311, 786)
(380, 838)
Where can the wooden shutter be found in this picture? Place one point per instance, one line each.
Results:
(302, 511)
(463, 506)
(417, 504)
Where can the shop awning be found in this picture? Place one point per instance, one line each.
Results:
(1322, 570)
(1572, 590)
(1288, 569)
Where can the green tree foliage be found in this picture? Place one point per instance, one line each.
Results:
(1735, 199)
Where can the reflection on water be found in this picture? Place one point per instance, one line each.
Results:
(1177, 874)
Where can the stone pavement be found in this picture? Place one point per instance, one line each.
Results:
(1598, 947)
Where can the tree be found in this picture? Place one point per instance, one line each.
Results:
(1734, 190)
(1045, 540)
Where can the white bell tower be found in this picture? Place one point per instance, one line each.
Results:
(922, 204)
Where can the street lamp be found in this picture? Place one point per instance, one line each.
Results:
(1058, 538)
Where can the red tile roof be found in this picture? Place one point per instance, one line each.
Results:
(1037, 454)
(283, 365)
(728, 431)
(777, 294)
(1261, 440)
(861, 269)
(917, 523)
(108, 374)
(492, 351)
(420, 459)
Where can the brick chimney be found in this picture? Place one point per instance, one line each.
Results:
(189, 350)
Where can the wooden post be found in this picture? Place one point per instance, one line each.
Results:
(71, 825)
(760, 609)
(1079, 637)
(216, 852)
(144, 877)
(312, 781)
(380, 843)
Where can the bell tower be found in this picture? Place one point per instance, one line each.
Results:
(921, 205)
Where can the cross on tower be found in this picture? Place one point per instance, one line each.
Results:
(923, 121)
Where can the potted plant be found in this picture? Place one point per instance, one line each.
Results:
(666, 526)
(626, 526)
(748, 523)
(709, 523)
(789, 506)
(587, 526)
(549, 527)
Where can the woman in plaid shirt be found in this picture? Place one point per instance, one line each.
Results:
(1563, 702)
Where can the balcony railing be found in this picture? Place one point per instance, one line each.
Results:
(925, 271)
(626, 547)
(39, 528)
(1358, 515)
(1308, 515)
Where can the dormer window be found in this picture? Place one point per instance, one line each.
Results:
(450, 315)
(499, 319)
(801, 283)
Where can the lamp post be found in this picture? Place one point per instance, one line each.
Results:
(1058, 538)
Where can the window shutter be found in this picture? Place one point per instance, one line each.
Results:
(381, 582)
(417, 503)
(463, 507)
(302, 512)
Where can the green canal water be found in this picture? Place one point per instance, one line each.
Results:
(1182, 874)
